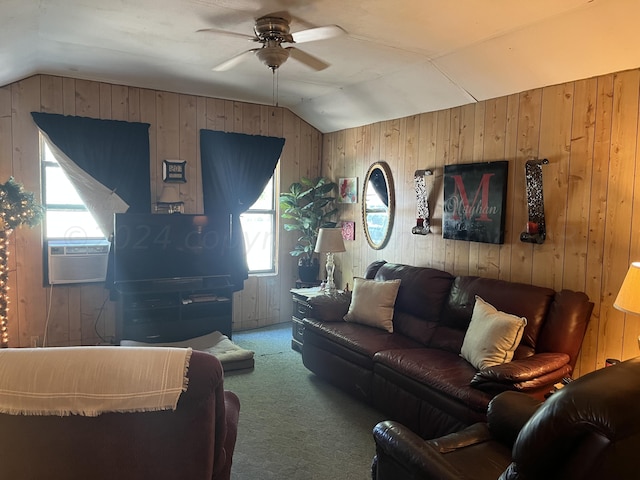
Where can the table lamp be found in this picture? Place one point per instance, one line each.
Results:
(628, 299)
(169, 200)
(330, 241)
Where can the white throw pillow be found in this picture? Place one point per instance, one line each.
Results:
(372, 303)
(492, 336)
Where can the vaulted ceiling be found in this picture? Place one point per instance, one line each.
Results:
(396, 58)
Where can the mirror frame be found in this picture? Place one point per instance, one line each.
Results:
(386, 173)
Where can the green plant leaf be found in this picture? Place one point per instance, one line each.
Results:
(307, 206)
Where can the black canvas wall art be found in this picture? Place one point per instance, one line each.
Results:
(475, 201)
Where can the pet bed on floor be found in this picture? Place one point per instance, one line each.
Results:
(231, 356)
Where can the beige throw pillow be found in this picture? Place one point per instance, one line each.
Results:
(372, 303)
(492, 336)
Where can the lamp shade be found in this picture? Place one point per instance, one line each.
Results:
(330, 240)
(628, 299)
(169, 194)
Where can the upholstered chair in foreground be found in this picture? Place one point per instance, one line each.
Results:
(106, 413)
(590, 429)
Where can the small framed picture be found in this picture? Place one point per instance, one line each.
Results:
(349, 230)
(174, 171)
(348, 190)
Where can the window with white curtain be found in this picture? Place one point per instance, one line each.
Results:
(66, 216)
(259, 227)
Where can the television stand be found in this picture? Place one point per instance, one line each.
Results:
(174, 310)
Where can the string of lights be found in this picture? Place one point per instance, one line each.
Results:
(4, 286)
(17, 208)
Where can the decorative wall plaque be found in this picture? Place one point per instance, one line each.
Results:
(536, 230)
(475, 201)
(423, 223)
(174, 171)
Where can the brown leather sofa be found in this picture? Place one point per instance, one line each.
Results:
(196, 441)
(416, 375)
(589, 430)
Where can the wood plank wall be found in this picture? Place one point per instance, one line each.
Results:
(587, 129)
(84, 315)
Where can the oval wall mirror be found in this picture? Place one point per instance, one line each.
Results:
(378, 206)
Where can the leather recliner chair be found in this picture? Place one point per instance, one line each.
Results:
(590, 429)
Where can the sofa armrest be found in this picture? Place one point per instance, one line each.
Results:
(507, 414)
(473, 434)
(523, 369)
(403, 455)
(534, 375)
(330, 308)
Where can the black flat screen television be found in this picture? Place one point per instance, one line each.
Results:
(165, 247)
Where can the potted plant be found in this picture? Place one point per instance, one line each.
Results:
(308, 205)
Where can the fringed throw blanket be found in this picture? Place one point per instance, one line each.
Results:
(91, 380)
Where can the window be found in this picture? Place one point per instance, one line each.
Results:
(66, 216)
(259, 227)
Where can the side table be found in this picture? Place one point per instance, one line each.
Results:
(301, 309)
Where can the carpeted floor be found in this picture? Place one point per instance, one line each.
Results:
(293, 425)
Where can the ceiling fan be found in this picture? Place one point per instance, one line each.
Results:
(272, 31)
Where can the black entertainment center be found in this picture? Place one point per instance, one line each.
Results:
(171, 276)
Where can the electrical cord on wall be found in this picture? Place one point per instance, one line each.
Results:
(46, 323)
(95, 325)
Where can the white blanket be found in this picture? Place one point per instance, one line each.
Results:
(91, 380)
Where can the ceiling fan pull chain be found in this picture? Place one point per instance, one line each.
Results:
(273, 87)
(275, 77)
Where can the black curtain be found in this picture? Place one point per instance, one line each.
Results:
(379, 183)
(115, 153)
(235, 169)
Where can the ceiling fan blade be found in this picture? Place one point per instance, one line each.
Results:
(228, 33)
(233, 61)
(318, 33)
(308, 59)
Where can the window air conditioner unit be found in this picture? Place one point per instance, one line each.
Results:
(80, 261)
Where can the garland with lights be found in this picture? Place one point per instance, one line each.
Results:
(17, 208)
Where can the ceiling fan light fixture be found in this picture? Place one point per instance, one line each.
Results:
(272, 57)
(272, 31)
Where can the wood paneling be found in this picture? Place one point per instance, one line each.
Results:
(588, 130)
(83, 314)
